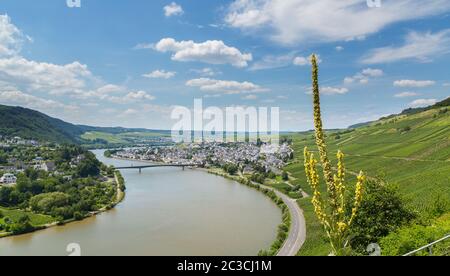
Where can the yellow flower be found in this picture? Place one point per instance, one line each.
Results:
(331, 215)
(342, 227)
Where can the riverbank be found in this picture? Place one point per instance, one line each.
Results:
(283, 245)
(120, 196)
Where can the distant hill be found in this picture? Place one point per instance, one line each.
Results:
(31, 124)
(409, 111)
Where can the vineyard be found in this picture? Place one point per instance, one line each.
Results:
(411, 151)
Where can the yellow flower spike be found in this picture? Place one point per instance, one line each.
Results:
(331, 215)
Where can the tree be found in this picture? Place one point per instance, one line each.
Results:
(382, 211)
(3, 158)
(231, 169)
(330, 210)
(23, 225)
(90, 166)
(45, 203)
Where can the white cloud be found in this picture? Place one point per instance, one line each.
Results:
(339, 48)
(446, 84)
(418, 46)
(329, 90)
(227, 87)
(13, 96)
(406, 94)
(422, 103)
(206, 72)
(414, 83)
(299, 21)
(373, 72)
(11, 38)
(173, 9)
(144, 46)
(211, 51)
(128, 112)
(272, 62)
(131, 97)
(302, 61)
(139, 95)
(364, 76)
(43, 76)
(109, 88)
(160, 74)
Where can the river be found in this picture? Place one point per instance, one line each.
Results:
(166, 211)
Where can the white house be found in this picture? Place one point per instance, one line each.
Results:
(8, 179)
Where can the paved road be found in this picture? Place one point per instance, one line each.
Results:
(297, 233)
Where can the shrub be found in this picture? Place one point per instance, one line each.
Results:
(413, 237)
(45, 203)
(78, 216)
(382, 211)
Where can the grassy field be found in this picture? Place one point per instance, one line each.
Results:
(410, 151)
(36, 220)
(110, 138)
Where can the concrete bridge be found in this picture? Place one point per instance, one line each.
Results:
(140, 168)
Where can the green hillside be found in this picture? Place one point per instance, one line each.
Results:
(30, 124)
(411, 150)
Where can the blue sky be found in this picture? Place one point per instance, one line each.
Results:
(127, 63)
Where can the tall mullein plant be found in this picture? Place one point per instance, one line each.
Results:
(330, 210)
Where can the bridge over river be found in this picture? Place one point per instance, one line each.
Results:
(141, 167)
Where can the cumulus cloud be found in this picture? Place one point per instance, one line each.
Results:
(302, 61)
(67, 91)
(417, 46)
(414, 83)
(227, 87)
(139, 95)
(160, 74)
(298, 21)
(44, 76)
(11, 38)
(13, 96)
(109, 88)
(422, 103)
(405, 94)
(131, 97)
(173, 9)
(364, 76)
(211, 51)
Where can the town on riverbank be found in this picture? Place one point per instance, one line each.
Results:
(248, 158)
(43, 185)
